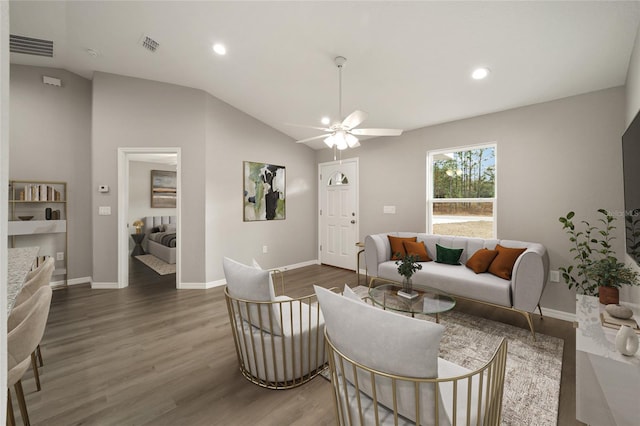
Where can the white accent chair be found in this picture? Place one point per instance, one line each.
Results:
(279, 341)
(385, 370)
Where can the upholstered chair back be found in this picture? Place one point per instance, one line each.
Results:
(28, 322)
(35, 279)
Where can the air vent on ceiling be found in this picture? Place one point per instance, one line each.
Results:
(30, 46)
(149, 43)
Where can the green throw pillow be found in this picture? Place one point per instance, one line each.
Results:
(447, 255)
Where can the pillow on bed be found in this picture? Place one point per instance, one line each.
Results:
(155, 229)
(170, 227)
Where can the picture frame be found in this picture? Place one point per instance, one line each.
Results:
(264, 191)
(163, 189)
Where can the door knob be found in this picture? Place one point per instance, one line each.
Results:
(353, 221)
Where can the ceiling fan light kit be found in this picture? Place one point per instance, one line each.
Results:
(342, 134)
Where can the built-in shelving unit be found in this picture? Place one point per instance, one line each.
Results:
(38, 217)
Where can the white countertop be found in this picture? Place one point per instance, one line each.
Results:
(593, 338)
(19, 263)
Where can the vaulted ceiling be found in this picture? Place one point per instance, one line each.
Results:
(409, 63)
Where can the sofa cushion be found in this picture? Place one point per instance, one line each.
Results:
(397, 247)
(455, 280)
(502, 265)
(450, 256)
(481, 260)
(417, 249)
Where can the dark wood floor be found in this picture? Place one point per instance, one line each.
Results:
(153, 355)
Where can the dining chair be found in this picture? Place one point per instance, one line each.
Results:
(36, 279)
(22, 340)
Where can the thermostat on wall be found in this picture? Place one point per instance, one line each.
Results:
(103, 188)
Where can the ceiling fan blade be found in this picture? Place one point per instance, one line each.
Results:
(311, 139)
(304, 126)
(377, 132)
(353, 119)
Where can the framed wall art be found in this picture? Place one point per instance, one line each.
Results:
(163, 188)
(264, 191)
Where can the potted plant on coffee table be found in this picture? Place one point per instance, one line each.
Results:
(407, 266)
(596, 270)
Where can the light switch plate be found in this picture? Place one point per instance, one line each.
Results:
(104, 210)
(389, 209)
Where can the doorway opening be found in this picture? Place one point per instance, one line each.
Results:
(140, 213)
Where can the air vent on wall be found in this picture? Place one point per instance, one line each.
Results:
(149, 43)
(30, 46)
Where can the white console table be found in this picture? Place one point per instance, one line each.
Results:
(607, 383)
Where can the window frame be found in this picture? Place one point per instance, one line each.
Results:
(431, 200)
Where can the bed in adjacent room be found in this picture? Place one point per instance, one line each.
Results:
(161, 237)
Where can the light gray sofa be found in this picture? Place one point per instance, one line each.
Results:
(522, 293)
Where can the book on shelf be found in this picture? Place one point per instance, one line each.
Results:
(39, 192)
(615, 323)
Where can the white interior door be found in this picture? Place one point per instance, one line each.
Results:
(338, 213)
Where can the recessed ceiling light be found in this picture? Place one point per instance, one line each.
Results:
(325, 120)
(480, 73)
(220, 49)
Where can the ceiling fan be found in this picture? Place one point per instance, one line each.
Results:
(342, 135)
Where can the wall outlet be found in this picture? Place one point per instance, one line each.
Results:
(104, 210)
(265, 249)
(60, 255)
(389, 209)
(554, 276)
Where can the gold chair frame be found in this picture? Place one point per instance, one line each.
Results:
(489, 379)
(277, 353)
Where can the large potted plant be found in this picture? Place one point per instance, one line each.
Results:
(596, 270)
(407, 266)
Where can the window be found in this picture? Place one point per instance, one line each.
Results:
(338, 178)
(461, 191)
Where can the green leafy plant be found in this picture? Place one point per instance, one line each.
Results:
(408, 265)
(609, 272)
(595, 263)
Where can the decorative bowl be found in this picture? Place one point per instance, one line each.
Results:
(25, 217)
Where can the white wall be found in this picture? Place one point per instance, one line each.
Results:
(4, 178)
(552, 158)
(50, 140)
(140, 194)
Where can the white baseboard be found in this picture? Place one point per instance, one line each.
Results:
(72, 281)
(104, 286)
(298, 265)
(201, 286)
(566, 316)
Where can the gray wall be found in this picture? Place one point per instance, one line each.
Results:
(130, 112)
(215, 138)
(234, 137)
(50, 139)
(552, 158)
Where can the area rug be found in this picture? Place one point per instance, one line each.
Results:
(532, 379)
(158, 265)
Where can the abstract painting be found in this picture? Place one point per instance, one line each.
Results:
(163, 188)
(264, 191)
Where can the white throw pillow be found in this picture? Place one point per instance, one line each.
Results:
(170, 227)
(248, 283)
(349, 293)
(386, 342)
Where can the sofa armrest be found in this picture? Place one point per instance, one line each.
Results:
(376, 250)
(529, 279)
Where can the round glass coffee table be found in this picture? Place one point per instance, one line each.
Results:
(430, 301)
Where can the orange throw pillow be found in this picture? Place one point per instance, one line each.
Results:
(502, 265)
(481, 260)
(417, 249)
(397, 249)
